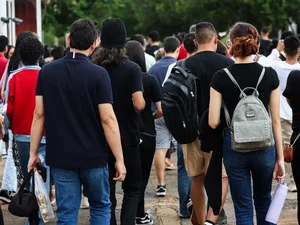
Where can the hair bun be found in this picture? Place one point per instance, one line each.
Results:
(244, 46)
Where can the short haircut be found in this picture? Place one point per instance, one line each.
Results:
(83, 34)
(58, 52)
(205, 32)
(189, 44)
(154, 35)
(180, 36)
(31, 51)
(291, 45)
(139, 38)
(3, 43)
(193, 28)
(171, 44)
(285, 34)
(265, 30)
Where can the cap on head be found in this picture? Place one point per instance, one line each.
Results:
(113, 33)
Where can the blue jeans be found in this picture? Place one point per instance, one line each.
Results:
(184, 183)
(24, 154)
(68, 184)
(240, 168)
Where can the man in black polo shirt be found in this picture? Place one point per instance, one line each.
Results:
(74, 104)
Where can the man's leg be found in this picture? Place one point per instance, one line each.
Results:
(68, 195)
(163, 143)
(131, 185)
(196, 165)
(159, 159)
(286, 127)
(184, 184)
(96, 184)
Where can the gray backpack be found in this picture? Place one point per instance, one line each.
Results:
(251, 125)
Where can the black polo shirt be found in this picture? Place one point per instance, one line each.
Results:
(72, 88)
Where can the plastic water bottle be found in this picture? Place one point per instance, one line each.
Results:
(277, 203)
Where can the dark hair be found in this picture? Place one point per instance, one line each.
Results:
(154, 35)
(171, 44)
(273, 45)
(285, 34)
(31, 50)
(222, 49)
(3, 43)
(188, 43)
(291, 45)
(139, 38)
(265, 30)
(244, 40)
(67, 50)
(58, 52)
(135, 53)
(46, 51)
(8, 50)
(15, 59)
(83, 34)
(205, 32)
(109, 56)
(180, 36)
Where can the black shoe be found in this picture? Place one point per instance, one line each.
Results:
(5, 196)
(161, 190)
(145, 220)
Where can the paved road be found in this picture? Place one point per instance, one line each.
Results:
(165, 210)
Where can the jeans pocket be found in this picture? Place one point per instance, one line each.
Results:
(61, 174)
(95, 173)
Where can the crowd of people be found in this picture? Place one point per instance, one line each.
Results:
(92, 114)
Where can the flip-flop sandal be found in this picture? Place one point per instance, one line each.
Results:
(171, 167)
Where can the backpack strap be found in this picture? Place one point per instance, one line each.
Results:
(260, 77)
(234, 81)
(181, 64)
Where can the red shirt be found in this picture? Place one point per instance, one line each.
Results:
(21, 98)
(3, 62)
(182, 53)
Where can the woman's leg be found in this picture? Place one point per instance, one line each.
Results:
(262, 167)
(147, 150)
(239, 181)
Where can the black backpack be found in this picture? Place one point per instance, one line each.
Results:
(179, 104)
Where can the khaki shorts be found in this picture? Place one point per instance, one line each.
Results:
(196, 161)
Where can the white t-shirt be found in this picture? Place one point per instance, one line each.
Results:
(150, 61)
(283, 70)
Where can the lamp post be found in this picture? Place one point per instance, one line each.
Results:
(9, 21)
(15, 20)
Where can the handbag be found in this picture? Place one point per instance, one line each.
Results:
(288, 152)
(24, 203)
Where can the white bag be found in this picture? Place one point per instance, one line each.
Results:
(43, 198)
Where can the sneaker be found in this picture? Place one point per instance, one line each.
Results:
(84, 202)
(292, 188)
(161, 190)
(145, 220)
(6, 196)
(4, 156)
(189, 206)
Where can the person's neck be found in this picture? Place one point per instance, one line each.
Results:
(244, 60)
(84, 52)
(3, 53)
(189, 55)
(291, 60)
(265, 37)
(155, 44)
(170, 55)
(206, 47)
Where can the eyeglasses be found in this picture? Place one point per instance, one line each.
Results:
(228, 43)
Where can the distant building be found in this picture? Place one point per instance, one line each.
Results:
(27, 10)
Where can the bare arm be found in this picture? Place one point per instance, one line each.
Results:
(138, 101)
(158, 112)
(37, 130)
(112, 134)
(214, 108)
(279, 171)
